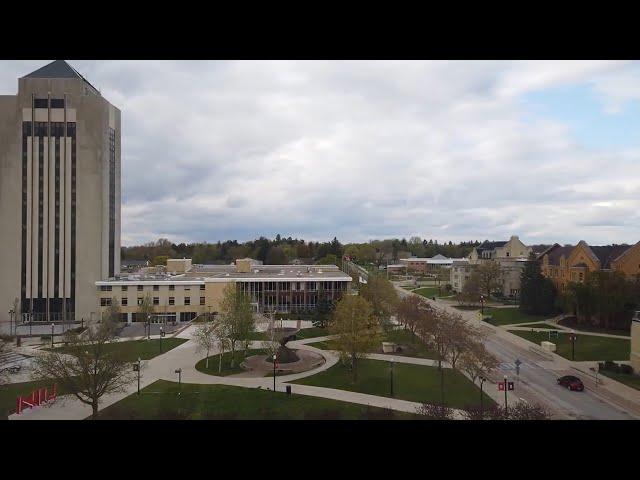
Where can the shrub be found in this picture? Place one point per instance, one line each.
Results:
(611, 366)
(435, 412)
(626, 369)
(326, 414)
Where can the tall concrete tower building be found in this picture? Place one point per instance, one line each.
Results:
(59, 195)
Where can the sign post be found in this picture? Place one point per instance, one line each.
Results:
(518, 363)
(505, 386)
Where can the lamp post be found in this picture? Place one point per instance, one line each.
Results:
(482, 305)
(11, 312)
(391, 375)
(482, 380)
(136, 367)
(52, 327)
(505, 395)
(274, 372)
(148, 327)
(161, 335)
(179, 372)
(573, 345)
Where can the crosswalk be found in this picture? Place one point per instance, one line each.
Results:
(11, 358)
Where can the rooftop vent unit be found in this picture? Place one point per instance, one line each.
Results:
(256, 271)
(319, 270)
(282, 271)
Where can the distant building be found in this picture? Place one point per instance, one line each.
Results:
(510, 254)
(564, 264)
(185, 291)
(428, 265)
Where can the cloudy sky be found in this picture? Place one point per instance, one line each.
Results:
(216, 150)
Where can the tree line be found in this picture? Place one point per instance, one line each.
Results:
(281, 250)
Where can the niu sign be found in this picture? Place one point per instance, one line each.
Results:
(509, 385)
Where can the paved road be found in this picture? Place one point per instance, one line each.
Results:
(537, 382)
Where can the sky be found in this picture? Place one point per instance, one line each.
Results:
(361, 150)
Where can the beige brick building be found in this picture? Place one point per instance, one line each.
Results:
(198, 289)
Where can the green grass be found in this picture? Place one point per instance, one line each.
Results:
(430, 292)
(632, 381)
(507, 316)
(311, 333)
(131, 350)
(9, 393)
(466, 307)
(160, 401)
(214, 363)
(415, 383)
(258, 336)
(540, 325)
(587, 347)
(416, 348)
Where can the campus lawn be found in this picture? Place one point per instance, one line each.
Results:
(466, 307)
(404, 337)
(160, 401)
(430, 292)
(214, 362)
(587, 347)
(9, 393)
(258, 336)
(632, 381)
(507, 316)
(416, 383)
(131, 350)
(311, 333)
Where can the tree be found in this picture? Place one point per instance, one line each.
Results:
(91, 370)
(382, 296)
(205, 338)
(236, 313)
(435, 412)
(409, 311)
(323, 311)
(470, 293)
(537, 293)
(160, 260)
(357, 331)
(489, 277)
(112, 314)
(329, 259)
(276, 256)
(518, 411)
(145, 310)
(459, 335)
(477, 360)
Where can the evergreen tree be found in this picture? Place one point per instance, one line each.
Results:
(537, 293)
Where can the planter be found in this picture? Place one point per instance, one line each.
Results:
(388, 347)
(548, 346)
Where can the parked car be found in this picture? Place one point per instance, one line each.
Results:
(571, 382)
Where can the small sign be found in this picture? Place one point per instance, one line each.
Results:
(518, 362)
(162, 333)
(136, 367)
(510, 386)
(501, 386)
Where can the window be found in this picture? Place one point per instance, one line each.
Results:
(139, 301)
(187, 288)
(105, 302)
(57, 103)
(156, 288)
(124, 288)
(125, 301)
(172, 288)
(140, 287)
(187, 300)
(202, 288)
(105, 288)
(201, 300)
(172, 300)
(507, 254)
(156, 301)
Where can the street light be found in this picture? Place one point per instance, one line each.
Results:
(505, 395)
(148, 327)
(391, 372)
(11, 312)
(274, 372)
(179, 372)
(52, 327)
(482, 380)
(161, 335)
(482, 305)
(136, 368)
(573, 345)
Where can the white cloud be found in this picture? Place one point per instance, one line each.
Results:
(217, 150)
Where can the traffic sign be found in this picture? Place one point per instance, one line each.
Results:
(518, 362)
(510, 386)
(136, 367)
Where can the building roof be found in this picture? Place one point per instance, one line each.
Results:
(59, 69)
(487, 245)
(557, 251)
(608, 253)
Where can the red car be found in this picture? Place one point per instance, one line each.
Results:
(571, 382)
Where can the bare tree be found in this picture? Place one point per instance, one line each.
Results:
(409, 311)
(435, 412)
(489, 276)
(518, 411)
(205, 338)
(90, 371)
(477, 360)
